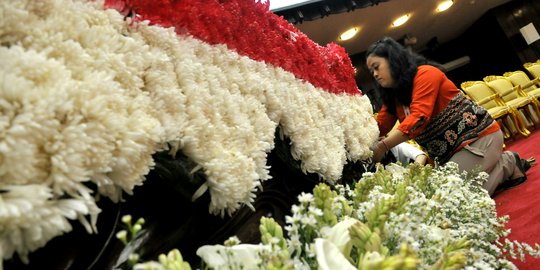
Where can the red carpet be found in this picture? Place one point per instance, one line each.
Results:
(521, 203)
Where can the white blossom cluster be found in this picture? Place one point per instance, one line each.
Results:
(86, 98)
(458, 209)
(400, 218)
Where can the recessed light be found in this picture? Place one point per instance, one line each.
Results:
(444, 5)
(350, 33)
(401, 20)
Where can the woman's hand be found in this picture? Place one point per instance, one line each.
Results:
(379, 151)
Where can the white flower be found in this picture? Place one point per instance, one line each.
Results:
(243, 256)
(149, 266)
(23, 205)
(305, 198)
(315, 211)
(340, 237)
(329, 256)
(308, 221)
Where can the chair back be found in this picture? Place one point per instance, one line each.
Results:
(478, 91)
(533, 69)
(521, 78)
(502, 86)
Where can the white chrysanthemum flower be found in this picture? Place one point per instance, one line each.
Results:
(29, 218)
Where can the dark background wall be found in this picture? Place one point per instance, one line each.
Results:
(493, 43)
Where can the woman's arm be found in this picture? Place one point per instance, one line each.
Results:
(394, 138)
(426, 89)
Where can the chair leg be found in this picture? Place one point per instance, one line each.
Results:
(525, 117)
(519, 124)
(534, 114)
(535, 111)
(511, 124)
(506, 132)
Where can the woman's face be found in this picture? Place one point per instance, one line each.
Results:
(380, 69)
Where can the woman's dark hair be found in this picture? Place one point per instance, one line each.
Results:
(403, 67)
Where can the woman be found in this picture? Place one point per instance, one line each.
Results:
(433, 111)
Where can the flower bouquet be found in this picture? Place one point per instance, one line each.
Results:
(396, 218)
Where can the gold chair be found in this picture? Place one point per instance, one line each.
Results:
(530, 87)
(515, 98)
(533, 68)
(483, 95)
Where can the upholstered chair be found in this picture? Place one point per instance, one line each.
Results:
(533, 68)
(515, 98)
(483, 95)
(528, 85)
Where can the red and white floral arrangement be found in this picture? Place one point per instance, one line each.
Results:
(89, 90)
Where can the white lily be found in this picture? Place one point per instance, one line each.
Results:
(340, 237)
(329, 256)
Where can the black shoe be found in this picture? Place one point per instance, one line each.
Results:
(528, 163)
(520, 180)
(512, 183)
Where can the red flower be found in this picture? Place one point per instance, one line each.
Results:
(249, 28)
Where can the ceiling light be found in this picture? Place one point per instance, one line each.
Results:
(401, 20)
(349, 33)
(444, 5)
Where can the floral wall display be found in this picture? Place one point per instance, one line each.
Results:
(89, 90)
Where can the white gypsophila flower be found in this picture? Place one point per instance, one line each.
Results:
(294, 219)
(308, 221)
(305, 198)
(314, 211)
(338, 205)
(375, 196)
(456, 209)
(294, 245)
